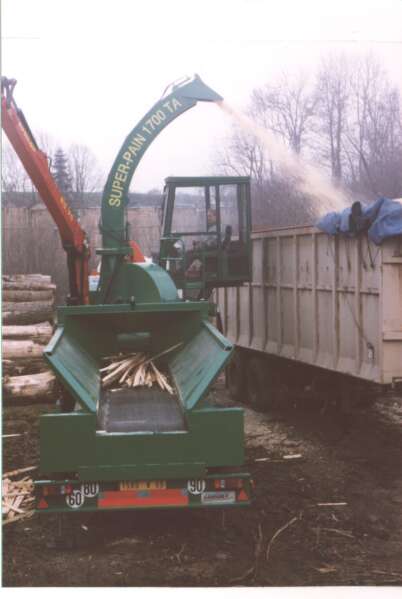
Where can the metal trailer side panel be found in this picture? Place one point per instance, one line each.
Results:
(330, 302)
(392, 311)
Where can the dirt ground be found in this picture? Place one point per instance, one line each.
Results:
(285, 539)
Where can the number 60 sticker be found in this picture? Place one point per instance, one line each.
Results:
(77, 498)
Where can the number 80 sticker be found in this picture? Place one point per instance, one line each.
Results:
(90, 489)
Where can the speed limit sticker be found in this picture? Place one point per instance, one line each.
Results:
(75, 499)
(196, 486)
(90, 489)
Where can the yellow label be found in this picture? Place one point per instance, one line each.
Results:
(142, 485)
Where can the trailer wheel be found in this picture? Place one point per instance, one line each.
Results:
(350, 397)
(235, 377)
(262, 384)
(257, 387)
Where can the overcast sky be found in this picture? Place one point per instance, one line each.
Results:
(88, 70)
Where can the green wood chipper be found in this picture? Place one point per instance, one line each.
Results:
(143, 446)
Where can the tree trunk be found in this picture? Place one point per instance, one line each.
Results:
(27, 312)
(25, 349)
(18, 367)
(39, 333)
(28, 277)
(41, 306)
(29, 284)
(26, 317)
(26, 295)
(32, 386)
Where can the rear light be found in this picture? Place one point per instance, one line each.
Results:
(242, 496)
(228, 483)
(57, 489)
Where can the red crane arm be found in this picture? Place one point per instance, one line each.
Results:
(36, 165)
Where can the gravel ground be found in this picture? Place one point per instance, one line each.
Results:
(284, 539)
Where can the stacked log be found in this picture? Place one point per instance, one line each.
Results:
(38, 333)
(27, 299)
(31, 386)
(28, 312)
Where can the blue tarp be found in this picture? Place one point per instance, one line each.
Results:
(381, 219)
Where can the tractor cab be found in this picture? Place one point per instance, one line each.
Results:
(205, 240)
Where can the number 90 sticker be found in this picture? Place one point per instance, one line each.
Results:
(76, 499)
(196, 486)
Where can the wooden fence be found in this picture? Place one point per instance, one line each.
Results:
(31, 241)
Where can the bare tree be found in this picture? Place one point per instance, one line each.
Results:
(243, 155)
(13, 175)
(374, 140)
(83, 166)
(286, 108)
(47, 144)
(84, 169)
(351, 123)
(332, 103)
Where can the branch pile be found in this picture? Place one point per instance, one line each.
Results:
(136, 370)
(17, 496)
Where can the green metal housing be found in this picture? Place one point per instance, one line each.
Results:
(213, 436)
(137, 308)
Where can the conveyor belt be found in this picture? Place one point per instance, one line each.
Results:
(144, 410)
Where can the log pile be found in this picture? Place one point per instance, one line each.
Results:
(27, 299)
(28, 312)
(136, 370)
(41, 385)
(17, 496)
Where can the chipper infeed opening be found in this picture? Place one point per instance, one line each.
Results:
(144, 410)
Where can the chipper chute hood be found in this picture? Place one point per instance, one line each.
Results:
(193, 87)
(177, 99)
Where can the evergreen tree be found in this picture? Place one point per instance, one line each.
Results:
(61, 173)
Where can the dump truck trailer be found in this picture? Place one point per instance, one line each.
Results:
(320, 313)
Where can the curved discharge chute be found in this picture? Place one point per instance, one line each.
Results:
(176, 100)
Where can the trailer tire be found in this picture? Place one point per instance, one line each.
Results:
(258, 383)
(236, 379)
(262, 384)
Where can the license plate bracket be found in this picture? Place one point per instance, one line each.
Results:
(142, 485)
